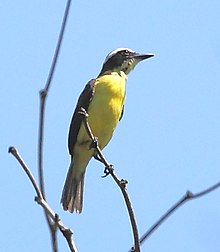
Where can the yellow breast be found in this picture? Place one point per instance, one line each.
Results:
(106, 107)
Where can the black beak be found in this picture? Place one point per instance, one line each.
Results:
(141, 57)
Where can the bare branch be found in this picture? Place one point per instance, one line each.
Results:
(51, 217)
(204, 192)
(120, 182)
(43, 95)
(188, 196)
(12, 150)
(67, 233)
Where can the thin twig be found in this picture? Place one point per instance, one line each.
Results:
(204, 192)
(188, 196)
(12, 150)
(67, 233)
(120, 182)
(43, 95)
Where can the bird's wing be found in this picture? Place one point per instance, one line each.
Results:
(83, 101)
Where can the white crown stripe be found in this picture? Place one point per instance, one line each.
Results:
(112, 53)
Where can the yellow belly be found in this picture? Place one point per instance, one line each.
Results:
(105, 109)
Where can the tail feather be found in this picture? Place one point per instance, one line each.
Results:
(72, 195)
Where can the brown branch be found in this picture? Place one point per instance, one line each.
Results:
(120, 182)
(67, 233)
(43, 95)
(188, 196)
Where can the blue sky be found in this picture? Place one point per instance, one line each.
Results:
(168, 141)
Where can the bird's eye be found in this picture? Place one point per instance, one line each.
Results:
(125, 53)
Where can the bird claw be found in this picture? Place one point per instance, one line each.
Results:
(108, 170)
(83, 112)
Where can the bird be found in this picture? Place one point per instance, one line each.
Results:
(103, 100)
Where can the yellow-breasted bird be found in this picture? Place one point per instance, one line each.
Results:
(103, 99)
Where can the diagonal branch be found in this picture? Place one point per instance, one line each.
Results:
(120, 182)
(188, 196)
(67, 233)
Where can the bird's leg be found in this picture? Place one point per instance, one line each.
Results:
(94, 143)
(108, 167)
(97, 157)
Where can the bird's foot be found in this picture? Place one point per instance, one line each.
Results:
(83, 112)
(108, 170)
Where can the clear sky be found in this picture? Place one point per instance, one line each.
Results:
(167, 142)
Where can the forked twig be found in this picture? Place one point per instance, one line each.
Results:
(188, 196)
(52, 218)
(120, 182)
(67, 233)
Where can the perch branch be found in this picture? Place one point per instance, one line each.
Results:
(120, 182)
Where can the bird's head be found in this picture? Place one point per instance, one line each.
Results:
(123, 59)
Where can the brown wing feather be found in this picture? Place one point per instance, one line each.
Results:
(83, 101)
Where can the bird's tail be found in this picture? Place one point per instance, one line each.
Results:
(72, 195)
